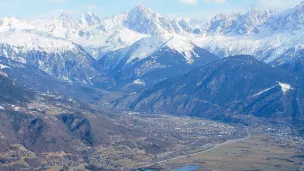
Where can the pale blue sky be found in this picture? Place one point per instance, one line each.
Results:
(197, 9)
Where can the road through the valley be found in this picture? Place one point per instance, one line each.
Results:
(200, 152)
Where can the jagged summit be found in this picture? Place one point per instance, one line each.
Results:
(64, 15)
(67, 21)
(141, 8)
(239, 24)
(141, 11)
(90, 18)
(289, 20)
(145, 20)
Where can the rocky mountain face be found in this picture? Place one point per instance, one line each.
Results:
(33, 127)
(37, 80)
(74, 66)
(46, 122)
(239, 84)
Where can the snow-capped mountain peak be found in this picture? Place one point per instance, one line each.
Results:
(65, 15)
(67, 20)
(144, 20)
(258, 17)
(141, 10)
(235, 23)
(90, 19)
(292, 19)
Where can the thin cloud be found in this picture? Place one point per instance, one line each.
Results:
(55, 1)
(215, 1)
(277, 5)
(8, 3)
(193, 2)
(188, 2)
(92, 7)
(57, 12)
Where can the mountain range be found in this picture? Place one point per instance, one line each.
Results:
(101, 49)
(232, 64)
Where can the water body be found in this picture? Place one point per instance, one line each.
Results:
(188, 168)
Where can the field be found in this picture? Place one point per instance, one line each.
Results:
(258, 152)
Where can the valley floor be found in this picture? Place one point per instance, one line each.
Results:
(199, 152)
(267, 146)
(257, 152)
(173, 142)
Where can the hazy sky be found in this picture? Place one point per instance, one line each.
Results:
(197, 9)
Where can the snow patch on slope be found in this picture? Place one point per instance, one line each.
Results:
(3, 66)
(148, 46)
(145, 47)
(3, 74)
(184, 47)
(285, 87)
(263, 91)
(139, 82)
(26, 40)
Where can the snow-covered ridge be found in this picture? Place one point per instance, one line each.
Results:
(238, 24)
(97, 35)
(264, 34)
(148, 46)
(57, 34)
